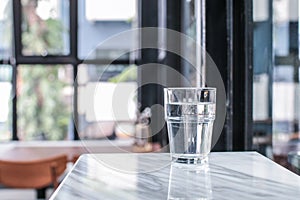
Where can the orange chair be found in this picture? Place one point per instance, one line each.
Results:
(75, 158)
(38, 174)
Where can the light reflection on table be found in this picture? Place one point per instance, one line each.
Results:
(230, 175)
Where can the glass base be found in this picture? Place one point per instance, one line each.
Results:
(196, 161)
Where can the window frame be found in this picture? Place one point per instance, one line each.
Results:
(238, 80)
(72, 59)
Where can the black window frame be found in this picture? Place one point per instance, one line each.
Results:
(72, 59)
(229, 36)
(234, 52)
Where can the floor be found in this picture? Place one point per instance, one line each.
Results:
(20, 194)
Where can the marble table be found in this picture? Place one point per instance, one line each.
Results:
(229, 175)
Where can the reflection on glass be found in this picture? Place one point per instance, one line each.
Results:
(5, 102)
(6, 29)
(106, 101)
(45, 27)
(45, 102)
(189, 182)
(99, 20)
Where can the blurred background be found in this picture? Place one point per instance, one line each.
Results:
(50, 62)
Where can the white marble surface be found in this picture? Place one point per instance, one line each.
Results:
(229, 175)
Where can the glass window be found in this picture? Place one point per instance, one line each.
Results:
(45, 27)
(111, 113)
(276, 78)
(113, 10)
(262, 76)
(6, 29)
(101, 20)
(5, 102)
(45, 102)
(286, 132)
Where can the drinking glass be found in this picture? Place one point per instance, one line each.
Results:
(190, 114)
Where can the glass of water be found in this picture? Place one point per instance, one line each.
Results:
(190, 114)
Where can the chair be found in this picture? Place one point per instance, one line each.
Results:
(38, 174)
(75, 158)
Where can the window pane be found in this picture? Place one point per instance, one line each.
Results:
(276, 78)
(45, 27)
(5, 102)
(262, 77)
(99, 87)
(45, 102)
(98, 20)
(6, 29)
(286, 132)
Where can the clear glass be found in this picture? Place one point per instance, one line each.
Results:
(45, 27)
(45, 94)
(97, 116)
(5, 102)
(6, 28)
(100, 20)
(190, 114)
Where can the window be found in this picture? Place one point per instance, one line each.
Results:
(6, 28)
(276, 73)
(100, 10)
(6, 94)
(45, 94)
(91, 22)
(48, 56)
(45, 27)
(62, 43)
(105, 114)
(262, 76)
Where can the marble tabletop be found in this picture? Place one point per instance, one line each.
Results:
(229, 175)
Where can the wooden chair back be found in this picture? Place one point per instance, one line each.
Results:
(32, 174)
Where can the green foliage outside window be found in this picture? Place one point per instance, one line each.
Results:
(43, 114)
(42, 109)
